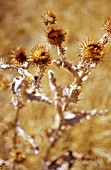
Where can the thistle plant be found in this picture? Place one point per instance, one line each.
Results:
(26, 87)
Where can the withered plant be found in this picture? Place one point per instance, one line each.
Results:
(26, 87)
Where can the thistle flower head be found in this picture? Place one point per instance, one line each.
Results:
(19, 55)
(93, 50)
(56, 36)
(107, 24)
(49, 18)
(40, 56)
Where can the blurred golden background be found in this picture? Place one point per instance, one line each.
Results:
(20, 25)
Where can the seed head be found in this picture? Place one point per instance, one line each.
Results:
(49, 18)
(107, 24)
(40, 56)
(92, 49)
(56, 36)
(19, 55)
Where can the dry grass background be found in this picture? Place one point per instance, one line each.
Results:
(20, 25)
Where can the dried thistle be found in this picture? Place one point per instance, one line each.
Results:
(19, 55)
(56, 36)
(92, 50)
(40, 56)
(107, 25)
(25, 88)
(49, 18)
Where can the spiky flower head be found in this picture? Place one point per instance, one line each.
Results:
(49, 18)
(92, 50)
(40, 56)
(19, 55)
(107, 25)
(56, 36)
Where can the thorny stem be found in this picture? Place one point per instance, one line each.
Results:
(52, 144)
(82, 65)
(15, 133)
(79, 79)
(16, 124)
(40, 76)
(105, 38)
(56, 131)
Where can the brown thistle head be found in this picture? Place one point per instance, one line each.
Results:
(107, 25)
(56, 36)
(19, 55)
(40, 56)
(92, 50)
(49, 18)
